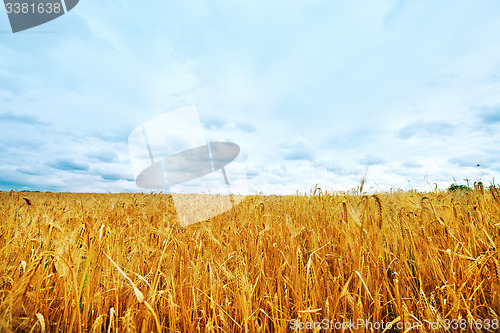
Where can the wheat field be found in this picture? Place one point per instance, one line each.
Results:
(390, 262)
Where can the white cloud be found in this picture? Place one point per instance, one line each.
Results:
(402, 86)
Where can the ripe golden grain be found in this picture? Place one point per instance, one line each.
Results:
(120, 262)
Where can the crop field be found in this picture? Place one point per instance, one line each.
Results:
(329, 262)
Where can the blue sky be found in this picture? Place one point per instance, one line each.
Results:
(312, 91)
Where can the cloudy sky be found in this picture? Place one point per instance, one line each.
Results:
(314, 91)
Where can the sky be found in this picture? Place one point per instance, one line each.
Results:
(313, 92)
